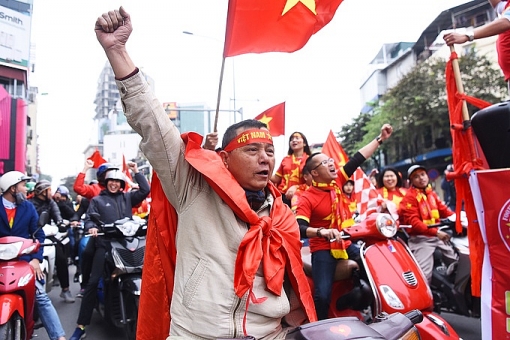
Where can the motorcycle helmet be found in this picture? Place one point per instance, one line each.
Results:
(102, 170)
(41, 186)
(12, 178)
(413, 168)
(63, 190)
(30, 187)
(117, 175)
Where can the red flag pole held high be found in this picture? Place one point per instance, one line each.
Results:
(272, 26)
(465, 159)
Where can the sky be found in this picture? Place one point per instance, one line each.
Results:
(320, 83)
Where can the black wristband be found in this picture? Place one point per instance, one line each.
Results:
(379, 140)
(319, 232)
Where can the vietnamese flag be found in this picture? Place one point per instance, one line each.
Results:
(274, 118)
(334, 150)
(97, 159)
(126, 172)
(274, 25)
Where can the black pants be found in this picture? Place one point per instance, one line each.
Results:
(61, 265)
(87, 258)
(88, 302)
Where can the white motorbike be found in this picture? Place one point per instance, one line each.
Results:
(53, 236)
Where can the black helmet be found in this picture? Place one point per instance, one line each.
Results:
(102, 170)
(41, 186)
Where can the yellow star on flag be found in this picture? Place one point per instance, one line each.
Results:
(291, 3)
(265, 119)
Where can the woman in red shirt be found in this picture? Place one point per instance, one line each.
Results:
(289, 176)
(389, 185)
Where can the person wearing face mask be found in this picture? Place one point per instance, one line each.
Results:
(18, 217)
(111, 204)
(289, 176)
(420, 207)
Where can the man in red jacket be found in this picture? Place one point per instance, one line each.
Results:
(91, 190)
(421, 207)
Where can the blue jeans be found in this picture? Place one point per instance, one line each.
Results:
(323, 275)
(47, 313)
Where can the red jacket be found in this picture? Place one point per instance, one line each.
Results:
(86, 190)
(411, 214)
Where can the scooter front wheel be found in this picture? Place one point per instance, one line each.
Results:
(11, 330)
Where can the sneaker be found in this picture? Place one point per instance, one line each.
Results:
(80, 294)
(78, 334)
(66, 295)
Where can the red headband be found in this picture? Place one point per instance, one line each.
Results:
(249, 137)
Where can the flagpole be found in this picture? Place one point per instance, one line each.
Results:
(460, 89)
(215, 128)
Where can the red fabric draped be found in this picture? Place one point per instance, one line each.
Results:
(272, 240)
(465, 159)
(158, 268)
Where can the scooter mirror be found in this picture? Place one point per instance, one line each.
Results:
(44, 219)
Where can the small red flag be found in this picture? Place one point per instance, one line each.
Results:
(126, 172)
(97, 159)
(274, 118)
(334, 150)
(274, 25)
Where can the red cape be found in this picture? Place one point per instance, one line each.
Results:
(274, 240)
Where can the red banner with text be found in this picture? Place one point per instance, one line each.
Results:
(493, 210)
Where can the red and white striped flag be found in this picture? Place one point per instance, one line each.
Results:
(366, 194)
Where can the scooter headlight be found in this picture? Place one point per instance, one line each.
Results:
(386, 225)
(118, 260)
(390, 297)
(10, 251)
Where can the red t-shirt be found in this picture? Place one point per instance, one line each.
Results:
(10, 216)
(503, 48)
(315, 207)
(290, 171)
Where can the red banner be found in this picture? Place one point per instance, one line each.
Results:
(493, 210)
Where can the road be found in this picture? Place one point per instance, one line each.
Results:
(467, 328)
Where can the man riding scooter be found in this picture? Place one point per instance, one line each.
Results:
(421, 207)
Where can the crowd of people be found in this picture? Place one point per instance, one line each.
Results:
(24, 200)
(232, 208)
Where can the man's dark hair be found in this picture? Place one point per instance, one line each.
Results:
(231, 133)
(308, 165)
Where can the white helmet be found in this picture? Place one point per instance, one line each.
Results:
(12, 178)
(117, 175)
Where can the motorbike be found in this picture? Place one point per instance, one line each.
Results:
(119, 291)
(388, 279)
(17, 285)
(451, 285)
(386, 326)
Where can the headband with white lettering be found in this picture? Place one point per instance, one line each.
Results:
(250, 136)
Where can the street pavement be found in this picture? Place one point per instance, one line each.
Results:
(467, 328)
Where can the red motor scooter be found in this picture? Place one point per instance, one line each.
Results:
(17, 286)
(395, 281)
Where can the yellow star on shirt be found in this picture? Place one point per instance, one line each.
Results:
(265, 119)
(294, 174)
(291, 3)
